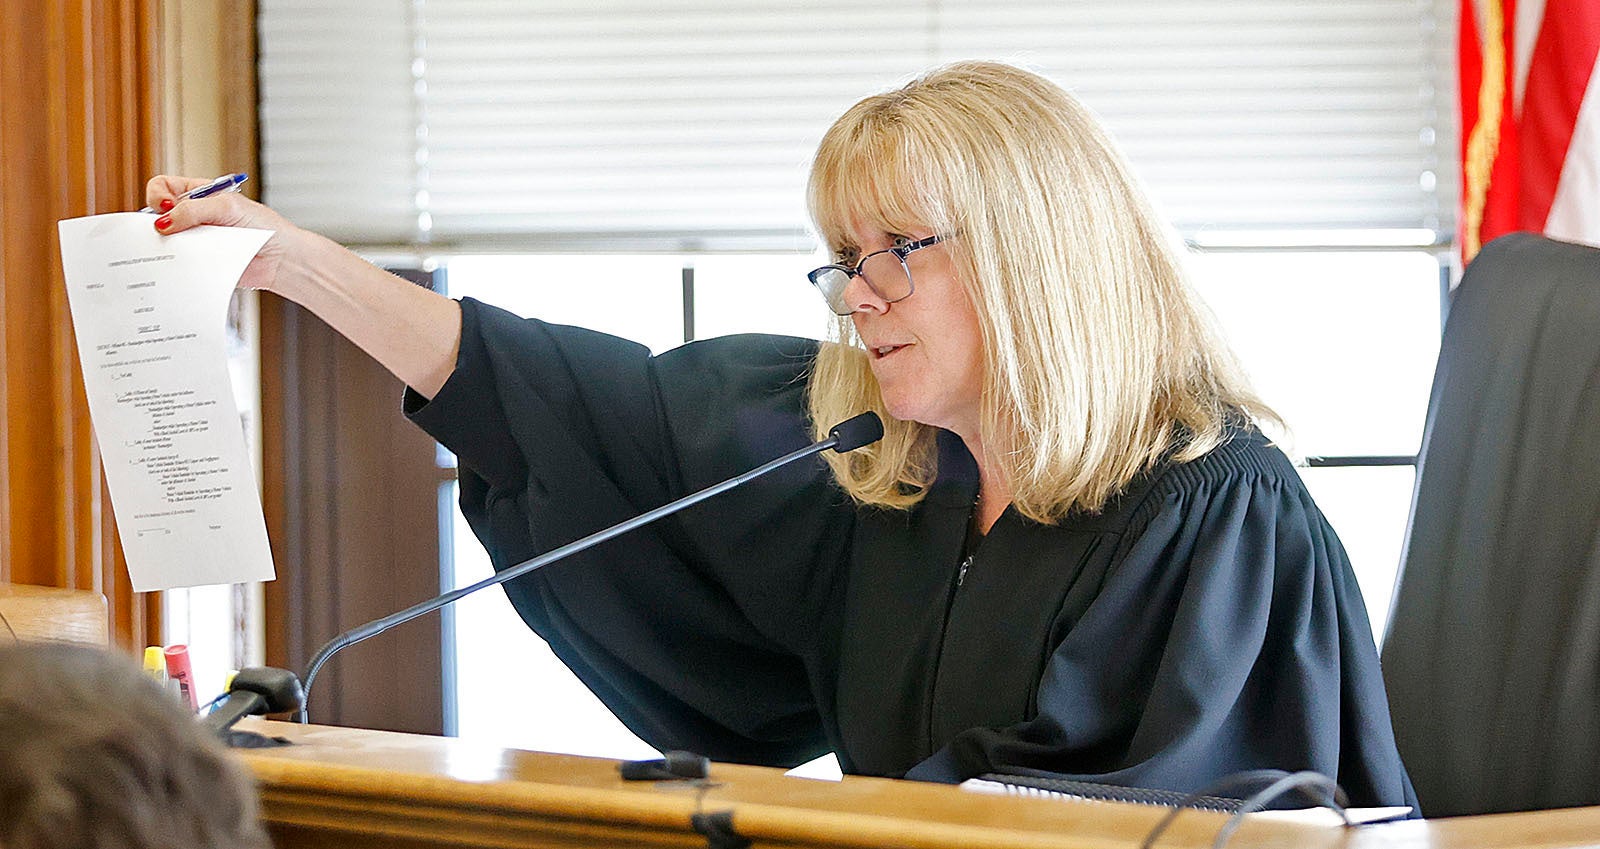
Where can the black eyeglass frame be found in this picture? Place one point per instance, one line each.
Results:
(900, 253)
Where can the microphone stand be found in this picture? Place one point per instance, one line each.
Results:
(845, 436)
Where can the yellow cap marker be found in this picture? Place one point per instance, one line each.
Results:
(155, 664)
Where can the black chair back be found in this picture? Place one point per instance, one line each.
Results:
(1492, 656)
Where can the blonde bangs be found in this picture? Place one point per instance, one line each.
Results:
(868, 171)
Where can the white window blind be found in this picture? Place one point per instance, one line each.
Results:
(625, 124)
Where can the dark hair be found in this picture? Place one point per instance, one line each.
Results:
(94, 754)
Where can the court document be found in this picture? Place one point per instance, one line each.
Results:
(150, 314)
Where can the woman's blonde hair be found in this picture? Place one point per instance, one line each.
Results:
(1100, 361)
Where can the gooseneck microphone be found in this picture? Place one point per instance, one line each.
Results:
(847, 435)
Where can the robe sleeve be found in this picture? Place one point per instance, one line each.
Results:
(1229, 634)
(701, 631)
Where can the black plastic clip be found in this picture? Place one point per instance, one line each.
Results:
(673, 766)
(717, 827)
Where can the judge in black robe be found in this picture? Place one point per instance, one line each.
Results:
(1206, 622)
(1151, 598)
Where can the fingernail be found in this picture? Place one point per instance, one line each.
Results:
(166, 204)
(163, 222)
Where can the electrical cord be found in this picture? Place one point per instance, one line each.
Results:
(9, 629)
(1332, 796)
(207, 707)
(1278, 783)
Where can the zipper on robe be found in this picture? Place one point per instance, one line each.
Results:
(968, 554)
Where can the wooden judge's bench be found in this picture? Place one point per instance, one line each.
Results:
(339, 787)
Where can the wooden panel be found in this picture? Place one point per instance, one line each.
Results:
(352, 509)
(52, 613)
(350, 788)
(78, 81)
(29, 526)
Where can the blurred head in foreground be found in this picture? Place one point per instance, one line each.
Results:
(94, 755)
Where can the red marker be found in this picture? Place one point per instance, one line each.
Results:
(179, 671)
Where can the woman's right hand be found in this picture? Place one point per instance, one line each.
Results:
(413, 331)
(275, 266)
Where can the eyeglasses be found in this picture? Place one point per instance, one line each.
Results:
(885, 273)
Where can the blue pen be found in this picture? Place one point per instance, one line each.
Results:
(225, 183)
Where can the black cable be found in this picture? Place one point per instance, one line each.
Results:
(1280, 783)
(206, 708)
(1216, 788)
(9, 629)
(1333, 796)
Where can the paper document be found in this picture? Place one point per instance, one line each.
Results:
(150, 314)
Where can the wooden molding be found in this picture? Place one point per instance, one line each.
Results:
(79, 83)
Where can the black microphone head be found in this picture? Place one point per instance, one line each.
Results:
(854, 432)
(279, 688)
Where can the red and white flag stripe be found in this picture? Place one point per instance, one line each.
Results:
(1530, 120)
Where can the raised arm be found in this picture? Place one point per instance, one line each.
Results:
(412, 332)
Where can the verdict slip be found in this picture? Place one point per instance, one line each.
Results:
(150, 315)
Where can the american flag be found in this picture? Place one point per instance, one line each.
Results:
(1530, 120)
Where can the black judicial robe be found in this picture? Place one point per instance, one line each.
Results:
(1205, 622)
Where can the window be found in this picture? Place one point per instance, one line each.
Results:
(1342, 345)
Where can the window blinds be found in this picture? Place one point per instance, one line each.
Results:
(627, 124)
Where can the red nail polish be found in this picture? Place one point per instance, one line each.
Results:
(163, 222)
(166, 204)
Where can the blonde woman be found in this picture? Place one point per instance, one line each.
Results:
(1072, 552)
